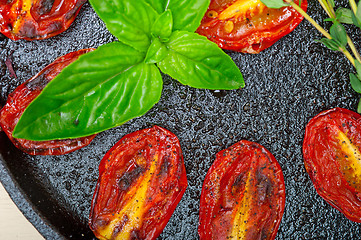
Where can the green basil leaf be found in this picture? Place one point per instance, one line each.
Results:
(274, 3)
(329, 43)
(187, 15)
(195, 61)
(355, 83)
(101, 90)
(344, 15)
(156, 52)
(159, 5)
(128, 20)
(338, 33)
(163, 26)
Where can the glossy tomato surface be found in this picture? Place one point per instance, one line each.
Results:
(23, 95)
(37, 19)
(243, 195)
(247, 25)
(141, 180)
(332, 155)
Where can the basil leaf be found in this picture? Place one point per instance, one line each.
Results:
(338, 32)
(187, 15)
(195, 61)
(344, 15)
(355, 83)
(163, 26)
(128, 20)
(159, 5)
(274, 3)
(156, 52)
(101, 90)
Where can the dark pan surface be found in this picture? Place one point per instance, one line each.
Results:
(286, 86)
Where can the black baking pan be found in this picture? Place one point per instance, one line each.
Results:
(286, 85)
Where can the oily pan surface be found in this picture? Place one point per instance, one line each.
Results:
(286, 86)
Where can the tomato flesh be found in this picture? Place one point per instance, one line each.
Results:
(37, 19)
(247, 25)
(23, 95)
(243, 195)
(332, 156)
(141, 180)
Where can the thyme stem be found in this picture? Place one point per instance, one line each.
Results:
(313, 22)
(353, 6)
(353, 48)
(331, 13)
(326, 7)
(348, 55)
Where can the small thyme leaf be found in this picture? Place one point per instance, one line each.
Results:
(329, 43)
(358, 12)
(331, 3)
(358, 68)
(344, 15)
(338, 33)
(355, 83)
(355, 20)
(359, 106)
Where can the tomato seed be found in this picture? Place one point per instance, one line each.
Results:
(212, 14)
(229, 26)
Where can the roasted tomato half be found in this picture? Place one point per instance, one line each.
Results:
(332, 155)
(37, 19)
(141, 180)
(24, 95)
(247, 25)
(243, 195)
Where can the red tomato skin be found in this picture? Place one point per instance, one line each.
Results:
(250, 34)
(23, 95)
(226, 182)
(37, 19)
(322, 161)
(166, 185)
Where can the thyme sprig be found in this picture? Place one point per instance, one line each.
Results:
(336, 38)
